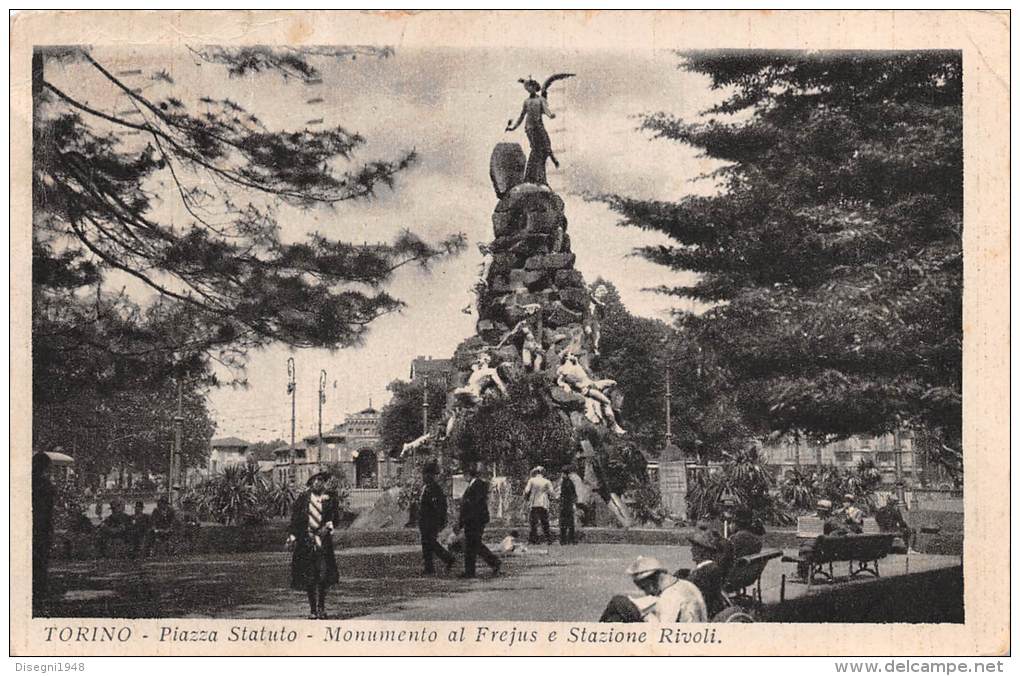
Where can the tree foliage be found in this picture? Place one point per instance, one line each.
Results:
(103, 390)
(639, 353)
(832, 252)
(516, 432)
(187, 193)
(401, 420)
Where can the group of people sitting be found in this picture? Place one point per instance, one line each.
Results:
(688, 595)
(142, 533)
(849, 520)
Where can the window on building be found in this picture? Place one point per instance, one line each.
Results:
(844, 456)
(883, 458)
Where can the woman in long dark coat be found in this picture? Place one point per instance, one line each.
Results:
(313, 566)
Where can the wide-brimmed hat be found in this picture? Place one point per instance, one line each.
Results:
(318, 475)
(849, 497)
(645, 566)
(703, 538)
(824, 504)
(537, 469)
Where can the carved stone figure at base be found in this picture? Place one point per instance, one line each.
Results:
(572, 376)
(532, 354)
(483, 376)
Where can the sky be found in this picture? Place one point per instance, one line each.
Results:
(451, 106)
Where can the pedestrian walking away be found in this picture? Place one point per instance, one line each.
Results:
(474, 515)
(432, 519)
(537, 492)
(568, 499)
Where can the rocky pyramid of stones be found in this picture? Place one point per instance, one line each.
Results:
(531, 302)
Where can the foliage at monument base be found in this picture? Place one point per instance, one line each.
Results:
(512, 434)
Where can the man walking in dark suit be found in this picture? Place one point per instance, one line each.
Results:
(474, 515)
(432, 518)
(568, 497)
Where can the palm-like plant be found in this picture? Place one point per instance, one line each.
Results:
(744, 477)
(229, 495)
(799, 490)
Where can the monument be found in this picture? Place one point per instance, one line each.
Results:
(536, 318)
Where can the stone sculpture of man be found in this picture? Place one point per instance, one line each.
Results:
(596, 311)
(573, 377)
(483, 376)
(531, 348)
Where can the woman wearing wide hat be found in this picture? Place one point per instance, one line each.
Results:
(313, 566)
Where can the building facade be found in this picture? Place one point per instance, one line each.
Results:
(225, 452)
(423, 368)
(786, 454)
(354, 445)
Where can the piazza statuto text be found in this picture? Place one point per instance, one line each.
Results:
(479, 634)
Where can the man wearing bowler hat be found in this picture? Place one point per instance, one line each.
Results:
(313, 565)
(474, 515)
(432, 518)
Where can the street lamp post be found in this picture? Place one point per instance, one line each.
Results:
(291, 390)
(669, 416)
(425, 405)
(322, 400)
(175, 452)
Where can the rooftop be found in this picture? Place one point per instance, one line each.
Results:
(229, 442)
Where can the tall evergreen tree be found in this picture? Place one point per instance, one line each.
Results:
(111, 181)
(832, 251)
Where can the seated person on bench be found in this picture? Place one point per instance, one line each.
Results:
(746, 536)
(890, 519)
(141, 530)
(712, 562)
(667, 599)
(163, 521)
(831, 525)
(117, 526)
(851, 515)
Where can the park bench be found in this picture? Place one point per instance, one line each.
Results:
(810, 527)
(747, 572)
(861, 552)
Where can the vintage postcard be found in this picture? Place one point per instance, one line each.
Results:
(509, 333)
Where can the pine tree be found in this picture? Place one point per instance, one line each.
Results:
(99, 176)
(832, 252)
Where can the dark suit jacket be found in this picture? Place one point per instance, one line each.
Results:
(568, 494)
(709, 579)
(432, 508)
(745, 543)
(474, 505)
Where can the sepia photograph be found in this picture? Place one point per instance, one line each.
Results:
(647, 338)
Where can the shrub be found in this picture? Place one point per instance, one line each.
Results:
(744, 477)
(646, 501)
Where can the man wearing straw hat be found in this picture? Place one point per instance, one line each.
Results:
(537, 491)
(668, 599)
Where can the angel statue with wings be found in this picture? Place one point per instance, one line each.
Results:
(535, 106)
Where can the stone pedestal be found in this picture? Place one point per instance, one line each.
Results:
(673, 482)
(506, 167)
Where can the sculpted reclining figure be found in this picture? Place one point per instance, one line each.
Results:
(573, 377)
